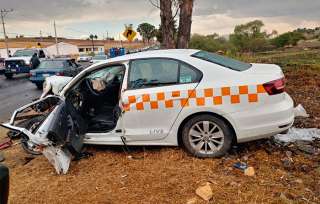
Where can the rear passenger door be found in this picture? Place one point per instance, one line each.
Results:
(157, 90)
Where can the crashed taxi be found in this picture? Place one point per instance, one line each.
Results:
(200, 100)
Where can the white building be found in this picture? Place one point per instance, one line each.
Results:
(64, 49)
(87, 48)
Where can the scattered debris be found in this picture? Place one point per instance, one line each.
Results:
(309, 149)
(249, 171)
(299, 111)
(205, 192)
(287, 163)
(297, 134)
(5, 143)
(58, 158)
(240, 165)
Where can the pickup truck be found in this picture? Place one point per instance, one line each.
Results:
(20, 61)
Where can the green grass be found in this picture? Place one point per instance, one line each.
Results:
(286, 59)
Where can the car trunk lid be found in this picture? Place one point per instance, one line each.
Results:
(265, 69)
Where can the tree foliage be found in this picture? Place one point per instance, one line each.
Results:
(289, 38)
(147, 31)
(249, 37)
(211, 43)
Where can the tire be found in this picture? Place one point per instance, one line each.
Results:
(8, 75)
(39, 86)
(25, 139)
(200, 142)
(4, 184)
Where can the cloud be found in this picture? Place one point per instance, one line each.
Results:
(81, 17)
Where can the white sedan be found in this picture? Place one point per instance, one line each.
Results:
(203, 101)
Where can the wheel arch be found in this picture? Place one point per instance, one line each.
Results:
(179, 133)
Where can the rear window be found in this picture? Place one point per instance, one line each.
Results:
(221, 60)
(52, 64)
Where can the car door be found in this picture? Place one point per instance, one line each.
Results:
(64, 126)
(157, 90)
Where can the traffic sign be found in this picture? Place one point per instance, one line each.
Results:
(129, 33)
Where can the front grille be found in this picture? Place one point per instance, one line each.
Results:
(14, 63)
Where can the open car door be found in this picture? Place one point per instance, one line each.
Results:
(59, 136)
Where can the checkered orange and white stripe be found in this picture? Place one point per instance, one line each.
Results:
(196, 97)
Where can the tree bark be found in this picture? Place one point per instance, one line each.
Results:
(167, 24)
(185, 20)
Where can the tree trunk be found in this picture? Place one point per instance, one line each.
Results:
(167, 24)
(185, 21)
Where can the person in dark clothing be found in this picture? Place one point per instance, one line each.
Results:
(35, 61)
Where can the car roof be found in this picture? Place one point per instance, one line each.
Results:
(58, 59)
(165, 53)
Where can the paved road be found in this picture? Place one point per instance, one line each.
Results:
(15, 93)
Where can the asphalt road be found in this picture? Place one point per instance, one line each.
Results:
(15, 93)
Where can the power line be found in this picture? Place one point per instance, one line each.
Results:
(4, 12)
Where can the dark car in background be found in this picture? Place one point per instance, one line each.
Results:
(20, 62)
(2, 67)
(50, 67)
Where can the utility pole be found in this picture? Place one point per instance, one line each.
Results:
(40, 36)
(4, 12)
(55, 33)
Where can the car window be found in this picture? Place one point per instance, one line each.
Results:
(51, 64)
(100, 79)
(153, 72)
(188, 74)
(221, 60)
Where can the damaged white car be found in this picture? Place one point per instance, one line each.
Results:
(200, 100)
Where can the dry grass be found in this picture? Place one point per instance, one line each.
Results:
(169, 175)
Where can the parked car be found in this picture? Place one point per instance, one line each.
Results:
(198, 99)
(2, 67)
(84, 58)
(20, 61)
(98, 58)
(50, 67)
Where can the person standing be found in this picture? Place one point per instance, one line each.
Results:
(34, 61)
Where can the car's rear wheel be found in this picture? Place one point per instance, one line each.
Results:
(207, 136)
(8, 75)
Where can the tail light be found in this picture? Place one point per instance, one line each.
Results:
(275, 87)
(29, 74)
(60, 74)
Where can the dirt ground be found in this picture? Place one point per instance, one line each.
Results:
(170, 175)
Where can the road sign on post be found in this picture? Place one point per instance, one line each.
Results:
(129, 33)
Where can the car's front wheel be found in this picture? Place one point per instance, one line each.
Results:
(207, 136)
(8, 75)
(39, 85)
(32, 126)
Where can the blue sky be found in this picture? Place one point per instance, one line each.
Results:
(79, 18)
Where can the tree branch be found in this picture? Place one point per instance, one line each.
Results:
(155, 4)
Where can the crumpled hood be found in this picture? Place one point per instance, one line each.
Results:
(55, 84)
